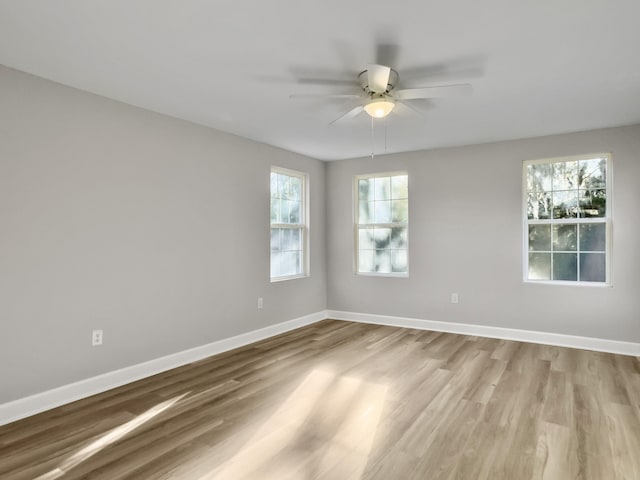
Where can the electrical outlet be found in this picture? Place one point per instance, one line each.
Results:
(260, 302)
(96, 338)
(455, 298)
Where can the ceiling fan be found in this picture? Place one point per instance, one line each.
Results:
(380, 94)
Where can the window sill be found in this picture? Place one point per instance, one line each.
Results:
(288, 277)
(389, 275)
(568, 284)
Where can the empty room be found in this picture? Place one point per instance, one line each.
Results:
(319, 240)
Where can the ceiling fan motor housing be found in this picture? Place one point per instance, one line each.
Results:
(364, 82)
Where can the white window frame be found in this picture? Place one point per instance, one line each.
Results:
(356, 226)
(303, 226)
(606, 220)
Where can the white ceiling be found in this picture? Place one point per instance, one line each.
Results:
(537, 67)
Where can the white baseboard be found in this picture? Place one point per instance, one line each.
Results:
(546, 338)
(24, 407)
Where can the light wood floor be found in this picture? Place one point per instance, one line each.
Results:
(339, 400)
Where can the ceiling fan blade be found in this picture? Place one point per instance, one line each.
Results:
(322, 95)
(328, 81)
(324, 76)
(406, 107)
(350, 114)
(433, 92)
(378, 78)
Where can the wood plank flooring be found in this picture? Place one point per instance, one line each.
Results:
(340, 400)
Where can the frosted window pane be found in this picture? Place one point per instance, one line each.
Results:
(398, 238)
(382, 212)
(295, 184)
(381, 201)
(275, 210)
(539, 178)
(398, 260)
(296, 239)
(285, 239)
(592, 173)
(294, 213)
(565, 204)
(365, 214)
(539, 238)
(399, 187)
(399, 211)
(298, 257)
(382, 188)
(275, 264)
(276, 235)
(291, 239)
(285, 209)
(592, 267)
(382, 237)
(593, 203)
(366, 261)
(365, 239)
(565, 266)
(365, 190)
(283, 186)
(289, 263)
(539, 266)
(372, 211)
(565, 176)
(565, 237)
(383, 261)
(593, 237)
(539, 206)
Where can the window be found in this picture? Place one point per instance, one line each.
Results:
(381, 220)
(289, 224)
(567, 219)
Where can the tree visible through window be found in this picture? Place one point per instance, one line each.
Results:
(288, 224)
(567, 219)
(382, 215)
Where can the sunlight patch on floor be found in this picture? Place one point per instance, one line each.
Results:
(109, 438)
(326, 427)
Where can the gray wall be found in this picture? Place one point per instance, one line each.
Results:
(157, 231)
(153, 229)
(465, 236)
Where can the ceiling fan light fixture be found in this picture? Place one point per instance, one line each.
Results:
(379, 108)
